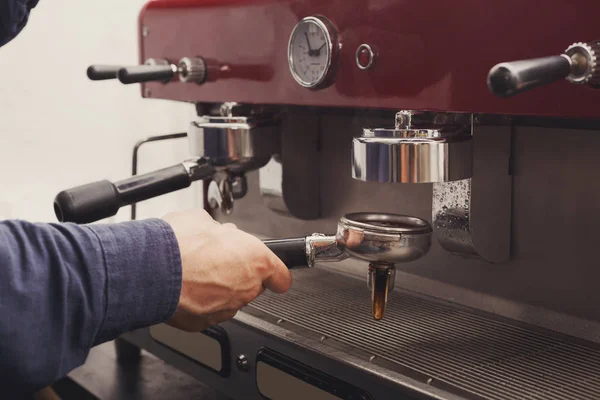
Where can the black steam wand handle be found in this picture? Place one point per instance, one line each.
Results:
(102, 199)
(511, 78)
(103, 72)
(293, 252)
(146, 73)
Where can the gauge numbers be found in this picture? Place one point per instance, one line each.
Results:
(312, 50)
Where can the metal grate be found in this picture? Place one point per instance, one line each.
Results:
(482, 355)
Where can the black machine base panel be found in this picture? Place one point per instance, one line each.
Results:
(471, 354)
(210, 348)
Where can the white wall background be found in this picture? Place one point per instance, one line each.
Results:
(58, 129)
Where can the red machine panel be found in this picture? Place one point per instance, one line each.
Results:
(430, 54)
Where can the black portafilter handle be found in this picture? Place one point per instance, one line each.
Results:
(102, 199)
(292, 252)
(510, 78)
(146, 73)
(103, 72)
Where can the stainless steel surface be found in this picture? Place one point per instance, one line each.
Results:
(371, 277)
(157, 61)
(585, 63)
(371, 56)
(409, 154)
(380, 281)
(249, 334)
(332, 47)
(230, 146)
(235, 144)
(384, 238)
(242, 363)
(220, 195)
(374, 237)
(270, 186)
(473, 355)
(198, 169)
(482, 230)
(323, 248)
(451, 216)
(340, 360)
(192, 69)
(227, 108)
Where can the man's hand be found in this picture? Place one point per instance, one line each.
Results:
(223, 269)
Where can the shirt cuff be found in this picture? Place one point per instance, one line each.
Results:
(143, 272)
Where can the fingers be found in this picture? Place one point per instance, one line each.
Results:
(222, 316)
(190, 323)
(279, 277)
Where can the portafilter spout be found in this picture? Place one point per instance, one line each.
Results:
(382, 239)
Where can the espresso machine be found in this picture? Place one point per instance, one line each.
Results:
(425, 168)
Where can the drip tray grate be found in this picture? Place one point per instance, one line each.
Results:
(473, 353)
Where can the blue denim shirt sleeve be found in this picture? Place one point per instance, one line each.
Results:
(14, 15)
(65, 288)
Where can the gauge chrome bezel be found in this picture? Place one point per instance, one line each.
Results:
(333, 44)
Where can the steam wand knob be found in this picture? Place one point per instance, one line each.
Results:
(188, 69)
(579, 64)
(103, 72)
(153, 70)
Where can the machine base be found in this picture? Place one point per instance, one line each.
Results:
(423, 348)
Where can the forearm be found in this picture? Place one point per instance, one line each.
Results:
(65, 288)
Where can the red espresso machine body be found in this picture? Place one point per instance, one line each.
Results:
(479, 117)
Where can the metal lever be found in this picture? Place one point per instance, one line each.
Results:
(189, 69)
(578, 64)
(147, 73)
(510, 78)
(103, 72)
(102, 199)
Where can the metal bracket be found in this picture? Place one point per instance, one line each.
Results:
(472, 217)
(468, 165)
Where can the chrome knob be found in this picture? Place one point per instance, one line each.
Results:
(578, 64)
(585, 66)
(192, 69)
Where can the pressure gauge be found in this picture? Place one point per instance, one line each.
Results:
(313, 51)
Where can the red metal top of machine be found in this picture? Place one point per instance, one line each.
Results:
(429, 55)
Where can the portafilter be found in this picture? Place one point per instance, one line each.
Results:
(230, 145)
(382, 239)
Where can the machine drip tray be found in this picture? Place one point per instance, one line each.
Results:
(464, 352)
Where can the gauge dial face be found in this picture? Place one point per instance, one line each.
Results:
(311, 52)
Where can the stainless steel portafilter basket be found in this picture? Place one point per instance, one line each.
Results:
(382, 239)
